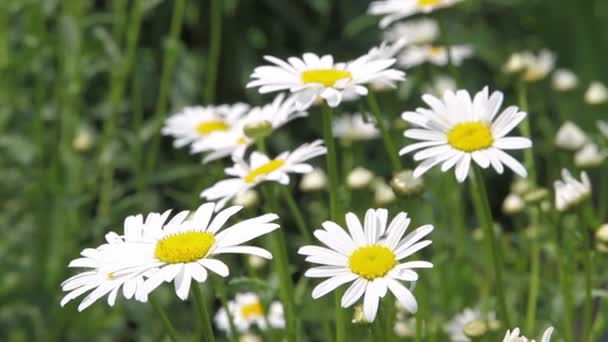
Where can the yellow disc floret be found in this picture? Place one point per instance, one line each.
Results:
(327, 77)
(470, 136)
(371, 262)
(265, 169)
(208, 127)
(252, 310)
(423, 3)
(184, 247)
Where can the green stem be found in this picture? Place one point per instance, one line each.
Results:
(484, 215)
(220, 292)
(169, 329)
(447, 42)
(297, 214)
(215, 40)
(204, 317)
(603, 194)
(563, 276)
(534, 270)
(589, 218)
(388, 142)
(378, 326)
(526, 131)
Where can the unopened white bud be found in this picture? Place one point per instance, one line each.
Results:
(359, 178)
(314, 181)
(596, 94)
(589, 156)
(256, 262)
(564, 80)
(84, 140)
(513, 204)
(570, 137)
(247, 199)
(383, 194)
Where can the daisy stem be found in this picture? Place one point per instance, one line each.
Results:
(564, 282)
(534, 269)
(215, 40)
(204, 317)
(388, 142)
(170, 330)
(589, 218)
(378, 326)
(526, 131)
(220, 292)
(484, 215)
(297, 214)
(447, 43)
(332, 171)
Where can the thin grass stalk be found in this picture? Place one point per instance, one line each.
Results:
(534, 270)
(589, 218)
(220, 292)
(168, 326)
(522, 94)
(215, 41)
(564, 281)
(448, 46)
(386, 137)
(297, 214)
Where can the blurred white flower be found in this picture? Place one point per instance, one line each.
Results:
(602, 233)
(516, 62)
(393, 10)
(247, 199)
(570, 192)
(250, 337)
(537, 67)
(312, 77)
(514, 336)
(412, 56)
(383, 193)
(359, 178)
(602, 126)
(245, 176)
(314, 181)
(247, 310)
(513, 204)
(596, 94)
(457, 130)
(404, 183)
(590, 156)
(416, 31)
(369, 256)
(564, 80)
(440, 85)
(570, 137)
(456, 327)
(355, 127)
(256, 262)
(84, 140)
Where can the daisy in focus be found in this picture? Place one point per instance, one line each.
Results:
(369, 256)
(414, 32)
(514, 336)
(355, 127)
(570, 192)
(235, 141)
(456, 130)
(415, 55)
(393, 10)
(247, 311)
(315, 77)
(196, 124)
(261, 168)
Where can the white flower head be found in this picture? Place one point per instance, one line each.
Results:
(247, 311)
(314, 181)
(359, 178)
(383, 193)
(455, 328)
(312, 77)
(596, 94)
(514, 336)
(261, 168)
(195, 124)
(537, 67)
(234, 141)
(564, 80)
(516, 62)
(417, 31)
(355, 127)
(458, 129)
(369, 255)
(569, 192)
(590, 156)
(440, 85)
(393, 10)
(417, 54)
(570, 137)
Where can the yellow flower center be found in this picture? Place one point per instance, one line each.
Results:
(422, 3)
(208, 127)
(327, 77)
(184, 247)
(436, 50)
(470, 136)
(241, 141)
(265, 169)
(371, 262)
(252, 310)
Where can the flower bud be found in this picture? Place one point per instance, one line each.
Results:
(602, 233)
(404, 183)
(596, 94)
(314, 181)
(564, 80)
(383, 194)
(589, 156)
(476, 328)
(258, 130)
(570, 137)
(84, 140)
(256, 262)
(250, 337)
(536, 196)
(403, 330)
(247, 199)
(359, 178)
(513, 204)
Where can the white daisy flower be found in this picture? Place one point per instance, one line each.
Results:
(457, 130)
(111, 267)
(247, 311)
(440, 85)
(393, 10)
(564, 80)
(455, 328)
(570, 137)
(194, 124)
(261, 168)
(416, 32)
(514, 336)
(369, 256)
(412, 56)
(312, 77)
(537, 67)
(596, 94)
(355, 127)
(570, 192)
(590, 156)
(235, 142)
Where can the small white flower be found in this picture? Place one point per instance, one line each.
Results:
(438, 55)
(537, 67)
(194, 124)
(246, 176)
(570, 192)
(247, 199)
(369, 256)
(84, 140)
(590, 156)
(312, 77)
(247, 311)
(234, 141)
(383, 193)
(516, 62)
(314, 181)
(513, 204)
(514, 336)
(564, 80)
(359, 178)
(393, 10)
(596, 94)
(570, 137)
(457, 130)
(355, 127)
(455, 328)
(416, 32)
(440, 85)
